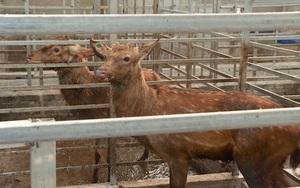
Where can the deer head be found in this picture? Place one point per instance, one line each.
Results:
(120, 59)
(60, 54)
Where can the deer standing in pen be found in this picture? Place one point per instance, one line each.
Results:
(81, 75)
(258, 152)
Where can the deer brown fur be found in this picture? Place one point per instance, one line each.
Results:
(258, 152)
(81, 75)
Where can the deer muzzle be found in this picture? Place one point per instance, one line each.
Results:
(100, 73)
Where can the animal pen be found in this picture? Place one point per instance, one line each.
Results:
(247, 45)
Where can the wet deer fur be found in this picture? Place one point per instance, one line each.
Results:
(258, 152)
(81, 75)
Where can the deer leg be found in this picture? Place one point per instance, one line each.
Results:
(98, 154)
(262, 165)
(144, 166)
(97, 159)
(260, 175)
(252, 174)
(178, 172)
(144, 156)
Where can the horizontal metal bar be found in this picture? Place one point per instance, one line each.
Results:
(215, 71)
(132, 23)
(170, 40)
(282, 2)
(195, 77)
(175, 11)
(43, 42)
(292, 175)
(76, 86)
(274, 72)
(275, 49)
(265, 3)
(152, 62)
(16, 131)
(15, 145)
(274, 95)
(277, 58)
(46, 8)
(38, 64)
(279, 36)
(47, 87)
(53, 108)
(171, 80)
(220, 54)
(83, 42)
(173, 53)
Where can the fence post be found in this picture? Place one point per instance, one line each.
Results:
(244, 51)
(43, 165)
(113, 9)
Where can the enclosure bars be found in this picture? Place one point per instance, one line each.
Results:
(112, 169)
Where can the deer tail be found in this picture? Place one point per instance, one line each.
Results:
(295, 158)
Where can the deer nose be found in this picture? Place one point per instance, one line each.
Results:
(100, 73)
(29, 57)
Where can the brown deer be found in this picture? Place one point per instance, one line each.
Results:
(81, 75)
(258, 152)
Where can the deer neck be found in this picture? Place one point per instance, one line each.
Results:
(81, 75)
(75, 75)
(133, 97)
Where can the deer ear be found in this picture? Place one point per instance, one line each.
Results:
(88, 53)
(83, 52)
(100, 49)
(146, 49)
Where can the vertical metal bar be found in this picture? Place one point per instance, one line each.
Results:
(64, 4)
(189, 67)
(232, 50)
(78, 6)
(143, 12)
(112, 161)
(203, 36)
(214, 43)
(112, 168)
(72, 5)
(134, 12)
(113, 9)
(157, 6)
(244, 51)
(96, 7)
(255, 50)
(243, 64)
(43, 165)
(29, 78)
(126, 11)
(275, 53)
(96, 10)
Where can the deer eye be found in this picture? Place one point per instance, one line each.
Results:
(56, 50)
(126, 59)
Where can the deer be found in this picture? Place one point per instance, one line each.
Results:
(82, 75)
(258, 152)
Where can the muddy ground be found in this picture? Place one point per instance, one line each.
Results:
(12, 161)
